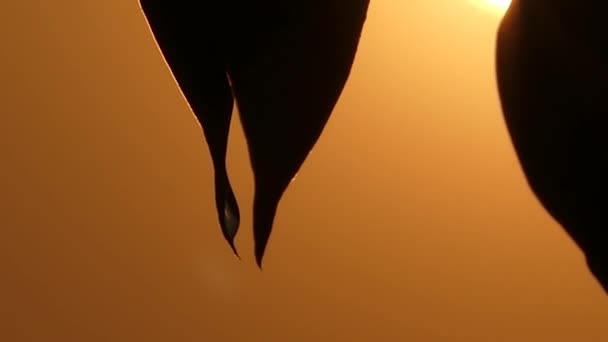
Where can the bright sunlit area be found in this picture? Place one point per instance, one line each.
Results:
(495, 6)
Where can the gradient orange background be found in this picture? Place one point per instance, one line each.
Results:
(410, 221)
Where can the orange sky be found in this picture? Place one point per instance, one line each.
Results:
(410, 221)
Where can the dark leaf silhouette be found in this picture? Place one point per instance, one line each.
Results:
(552, 60)
(285, 62)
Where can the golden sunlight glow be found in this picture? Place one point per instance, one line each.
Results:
(502, 4)
(497, 6)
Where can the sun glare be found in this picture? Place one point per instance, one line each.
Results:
(501, 4)
(497, 6)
